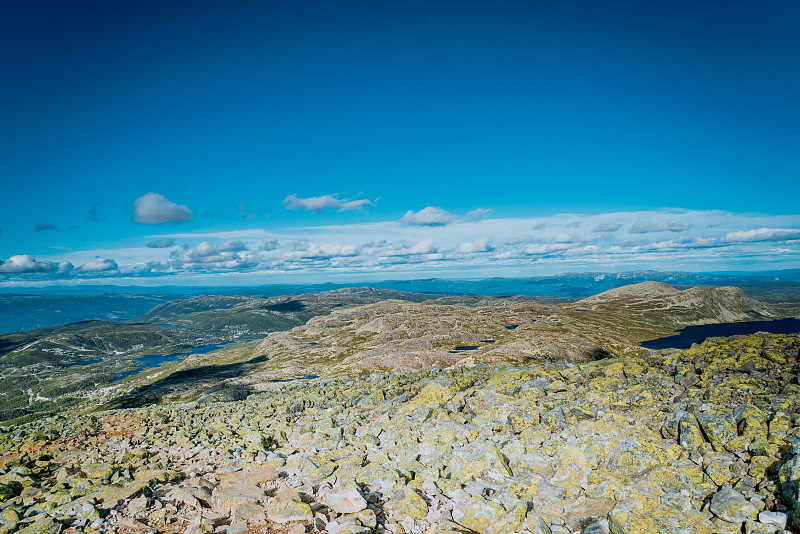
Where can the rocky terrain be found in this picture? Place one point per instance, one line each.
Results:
(54, 369)
(700, 441)
(414, 336)
(419, 332)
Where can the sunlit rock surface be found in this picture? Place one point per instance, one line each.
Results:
(627, 446)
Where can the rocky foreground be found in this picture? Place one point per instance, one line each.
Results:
(705, 440)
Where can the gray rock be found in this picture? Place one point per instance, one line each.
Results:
(729, 505)
(345, 501)
(773, 518)
(598, 527)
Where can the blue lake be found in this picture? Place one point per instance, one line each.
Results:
(697, 334)
(154, 360)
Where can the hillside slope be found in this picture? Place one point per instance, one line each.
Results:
(692, 306)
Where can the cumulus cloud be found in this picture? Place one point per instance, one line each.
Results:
(25, 263)
(154, 208)
(316, 251)
(646, 227)
(269, 245)
(95, 213)
(482, 244)
(607, 227)
(164, 243)
(44, 227)
(98, 265)
(563, 237)
(430, 216)
(718, 240)
(477, 214)
(295, 203)
(205, 252)
(423, 247)
(762, 234)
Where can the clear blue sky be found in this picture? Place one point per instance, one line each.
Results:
(528, 109)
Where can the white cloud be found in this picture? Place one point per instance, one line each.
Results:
(482, 244)
(517, 239)
(25, 263)
(762, 234)
(97, 266)
(316, 251)
(712, 240)
(645, 227)
(207, 252)
(477, 214)
(269, 245)
(154, 208)
(295, 203)
(607, 227)
(548, 248)
(423, 247)
(163, 243)
(563, 237)
(430, 216)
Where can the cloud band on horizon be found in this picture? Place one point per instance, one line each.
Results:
(707, 239)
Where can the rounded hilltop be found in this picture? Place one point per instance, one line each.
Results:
(640, 290)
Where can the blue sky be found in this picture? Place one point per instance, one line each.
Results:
(252, 142)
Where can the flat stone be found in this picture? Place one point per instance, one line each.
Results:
(261, 475)
(112, 495)
(9, 515)
(689, 435)
(729, 505)
(405, 502)
(719, 426)
(773, 518)
(572, 470)
(98, 471)
(225, 500)
(137, 505)
(478, 514)
(345, 501)
(289, 511)
(246, 511)
(640, 515)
